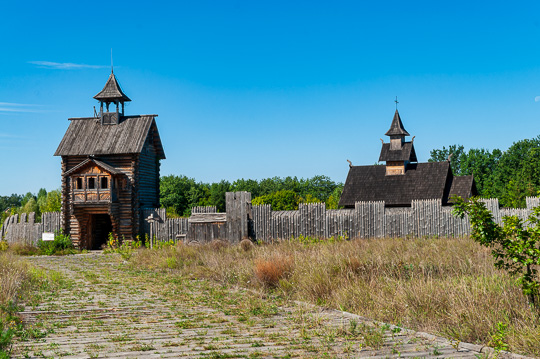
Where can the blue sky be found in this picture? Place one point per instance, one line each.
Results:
(256, 89)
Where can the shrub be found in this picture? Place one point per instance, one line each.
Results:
(516, 249)
(24, 249)
(246, 244)
(60, 245)
(218, 244)
(124, 248)
(271, 270)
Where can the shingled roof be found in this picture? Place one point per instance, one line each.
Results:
(112, 91)
(406, 153)
(463, 186)
(420, 181)
(396, 128)
(86, 136)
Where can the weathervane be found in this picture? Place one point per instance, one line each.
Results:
(396, 101)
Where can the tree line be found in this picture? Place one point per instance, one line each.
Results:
(509, 175)
(38, 203)
(180, 193)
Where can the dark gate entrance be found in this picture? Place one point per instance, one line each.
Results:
(100, 227)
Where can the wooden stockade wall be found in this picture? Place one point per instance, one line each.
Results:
(27, 230)
(242, 220)
(372, 220)
(163, 228)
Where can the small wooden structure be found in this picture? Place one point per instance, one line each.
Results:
(402, 179)
(110, 171)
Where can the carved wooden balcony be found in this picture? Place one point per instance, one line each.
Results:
(93, 196)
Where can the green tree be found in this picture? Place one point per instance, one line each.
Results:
(51, 203)
(217, 194)
(284, 200)
(30, 206)
(515, 248)
(318, 187)
(333, 199)
(248, 185)
(174, 192)
(441, 155)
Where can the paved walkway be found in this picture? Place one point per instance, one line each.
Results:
(107, 310)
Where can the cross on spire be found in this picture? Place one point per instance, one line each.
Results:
(396, 101)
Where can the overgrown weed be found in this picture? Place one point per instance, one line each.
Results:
(17, 279)
(443, 286)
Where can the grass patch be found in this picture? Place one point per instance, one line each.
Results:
(17, 280)
(438, 285)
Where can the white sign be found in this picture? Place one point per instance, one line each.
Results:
(47, 236)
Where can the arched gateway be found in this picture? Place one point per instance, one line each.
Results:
(110, 170)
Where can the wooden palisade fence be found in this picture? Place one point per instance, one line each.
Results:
(242, 220)
(27, 230)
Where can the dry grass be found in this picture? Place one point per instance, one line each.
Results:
(444, 286)
(13, 275)
(269, 271)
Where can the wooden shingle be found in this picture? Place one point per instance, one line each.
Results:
(86, 136)
(407, 153)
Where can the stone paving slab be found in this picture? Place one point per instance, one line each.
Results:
(105, 309)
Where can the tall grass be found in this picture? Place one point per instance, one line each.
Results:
(444, 286)
(14, 273)
(14, 276)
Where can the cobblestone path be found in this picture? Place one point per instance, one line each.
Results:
(106, 309)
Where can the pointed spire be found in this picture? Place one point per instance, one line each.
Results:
(112, 91)
(396, 128)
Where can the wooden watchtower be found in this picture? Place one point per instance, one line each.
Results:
(110, 171)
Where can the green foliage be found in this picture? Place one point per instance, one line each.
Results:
(60, 245)
(333, 199)
(179, 193)
(498, 338)
(6, 337)
(284, 200)
(124, 248)
(51, 202)
(515, 248)
(17, 204)
(509, 176)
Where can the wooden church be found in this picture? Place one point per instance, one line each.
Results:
(402, 179)
(110, 171)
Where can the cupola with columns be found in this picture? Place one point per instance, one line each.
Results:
(111, 93)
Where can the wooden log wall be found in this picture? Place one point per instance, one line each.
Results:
(206, 227)
(163, 229)
(27, 231)
(239, 215)
(372, 220)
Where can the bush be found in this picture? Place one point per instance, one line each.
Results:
(514, 247)
(246, 244)
(270, 271)
(60, 245)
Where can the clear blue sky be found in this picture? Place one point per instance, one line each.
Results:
(256, 89)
